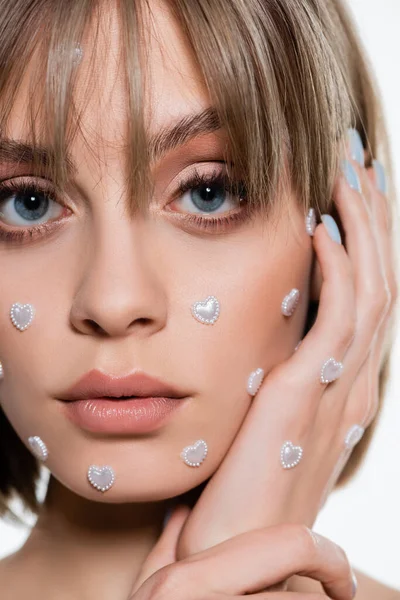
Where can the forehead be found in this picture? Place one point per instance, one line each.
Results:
(172, 88)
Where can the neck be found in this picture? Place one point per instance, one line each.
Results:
(90, 549)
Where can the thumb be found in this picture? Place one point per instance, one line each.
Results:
(164, 551)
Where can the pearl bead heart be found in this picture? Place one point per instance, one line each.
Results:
(195, 454)
(38, 447)
(207, 311)
(101, 478)
(331, 370)
(254, 381)
(290, 302)
(290, 455)
(311, 222)
(22, 315)
(353, 436)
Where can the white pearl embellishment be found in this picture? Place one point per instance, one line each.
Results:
(311, 222)
(194, 455)
(206, 311)
(290, 455)
(38, 447)
(1, 371)
(353, 436)
(101, 478)
(290, 302)
(22, 315)
(254, 381)
(331, 370)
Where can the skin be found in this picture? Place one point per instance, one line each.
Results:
(121, 278)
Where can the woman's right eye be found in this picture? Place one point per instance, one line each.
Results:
(23, 204)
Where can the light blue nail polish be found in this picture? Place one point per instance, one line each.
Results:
(332, 228)
(351, 175)
(380, 176)
(356, 146)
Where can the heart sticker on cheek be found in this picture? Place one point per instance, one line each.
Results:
(206, 311)
(101, 478)
(22, 315)
(194, 455)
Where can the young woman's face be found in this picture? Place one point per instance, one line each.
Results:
(114, 292)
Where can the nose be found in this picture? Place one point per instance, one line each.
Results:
(120, 288)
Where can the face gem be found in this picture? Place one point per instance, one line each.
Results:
(22, 315)
(206, 311)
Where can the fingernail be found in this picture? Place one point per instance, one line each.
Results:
(351, 175)
(380, 176)
(332, 228)
(356, 146)
(355, 584)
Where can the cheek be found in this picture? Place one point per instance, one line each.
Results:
(251, 331)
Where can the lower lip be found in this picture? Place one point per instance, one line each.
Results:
(138, 415)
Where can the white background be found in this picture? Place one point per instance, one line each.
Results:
(364, 517)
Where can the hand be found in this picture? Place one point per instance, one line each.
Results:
(242, 566)
(250, 489)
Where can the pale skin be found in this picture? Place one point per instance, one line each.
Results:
(123, 277)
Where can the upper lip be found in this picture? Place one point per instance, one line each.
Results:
(96, 384)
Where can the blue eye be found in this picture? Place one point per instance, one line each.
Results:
(209, 194)
(24, 205)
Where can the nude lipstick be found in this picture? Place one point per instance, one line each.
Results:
(136, 403)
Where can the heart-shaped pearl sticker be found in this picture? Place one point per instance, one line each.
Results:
(195, 454)
(206, 311)
(290, 455)
(290, 302)
(22, 315)
(254, 381)
(353, 436)
(101, 478)
(38, 447)
(331, 370)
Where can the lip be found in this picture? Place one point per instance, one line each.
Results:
(93, 403)
(96, 384)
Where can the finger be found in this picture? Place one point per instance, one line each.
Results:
(255, 560)
(164, 551)
(277, 596)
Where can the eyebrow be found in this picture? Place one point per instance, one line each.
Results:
(165, 140)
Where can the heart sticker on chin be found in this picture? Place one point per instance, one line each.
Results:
(22, 315)
(194, 455)
(101, 478)
(331, 370)
(290, 455)
(207, 311)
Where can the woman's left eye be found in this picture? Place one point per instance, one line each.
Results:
(209, 194)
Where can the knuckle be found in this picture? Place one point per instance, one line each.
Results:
(305, 540)
(169, 582)
(348, 328)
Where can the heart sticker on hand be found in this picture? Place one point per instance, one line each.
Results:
(207, 311)
(194, 455)
(331, 370)
(101, 478)
(290, 455)
(22, 315)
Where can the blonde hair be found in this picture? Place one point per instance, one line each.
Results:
(286, 78)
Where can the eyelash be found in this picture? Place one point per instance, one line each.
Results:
(208, 223)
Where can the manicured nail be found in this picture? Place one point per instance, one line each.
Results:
(332, 228)
(356, 146)
(355, 584)
(380, 176)
(351, 175)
